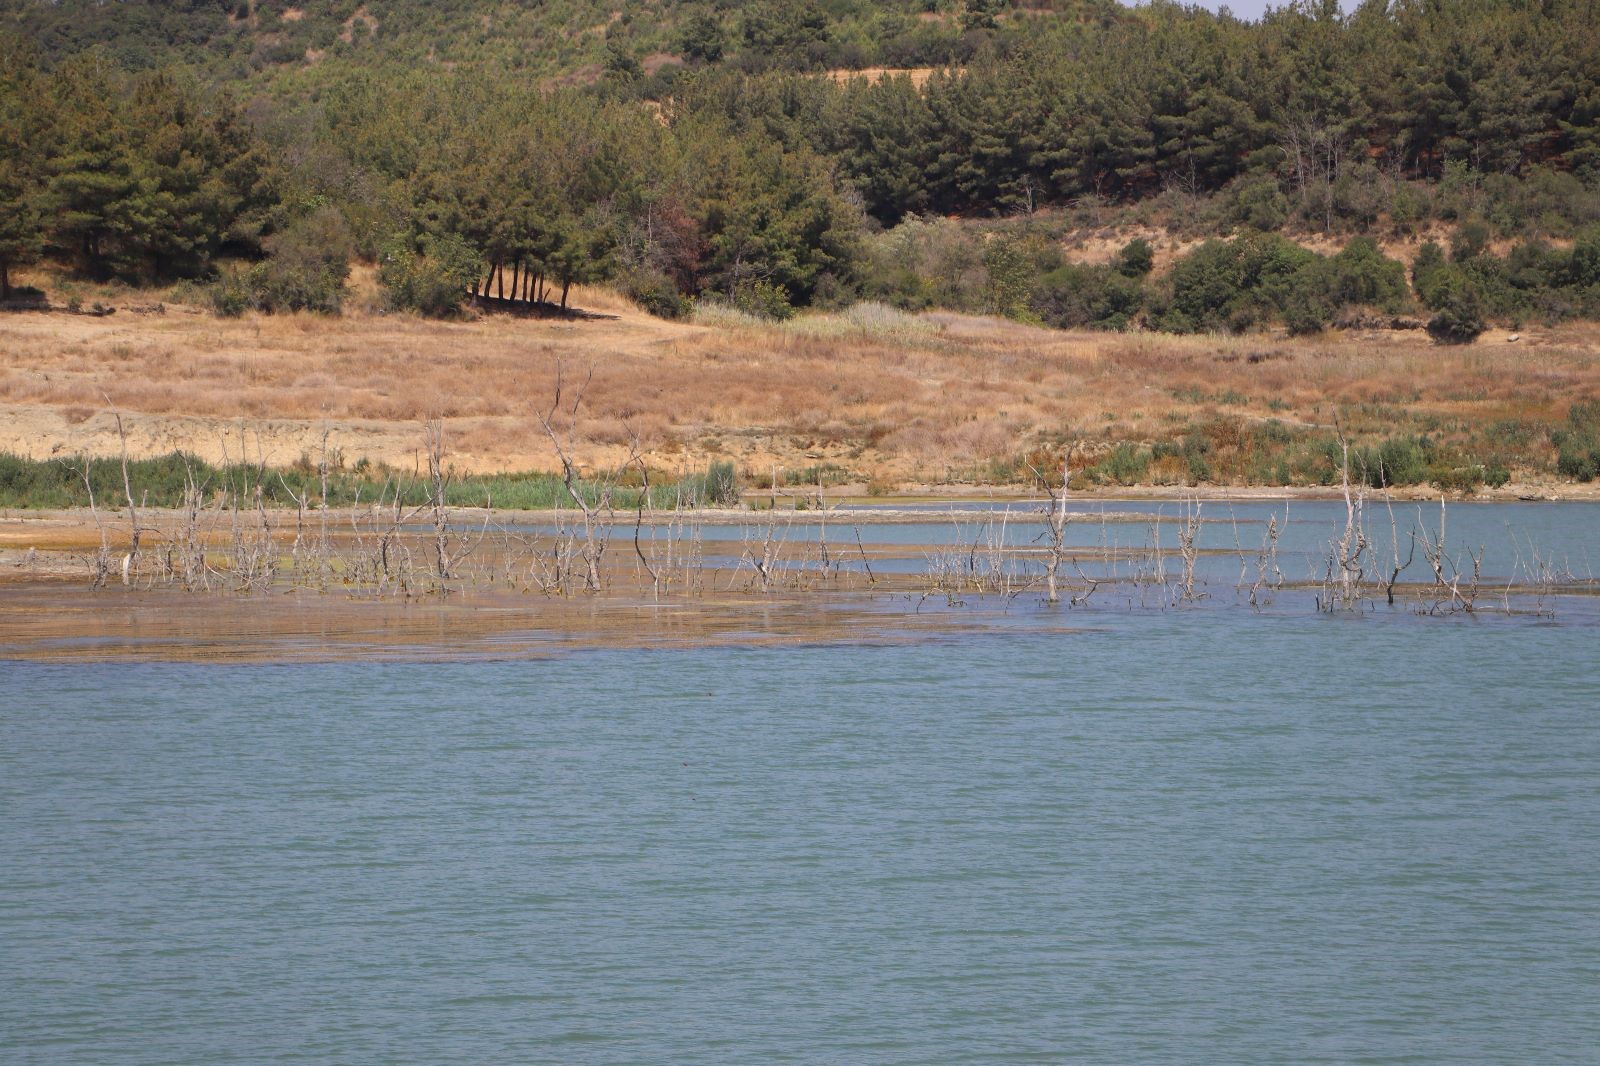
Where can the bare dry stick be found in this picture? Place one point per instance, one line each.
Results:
(1056, 520)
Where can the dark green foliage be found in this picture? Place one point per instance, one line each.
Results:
(702, 39)
(1471, 239)
(1126, 465)
(981, 14)
(1258, 203)
(1264, 277)
(146, 178)
(1450, 293)
(1583, 266)
(432, 279)
(656, 293)
(21, 225)
(1361, 274)
(1395, 461)
(1232, 285)
(305, 271)
(548, 150)
(1136, 259)
(1578, 443)
(1578, 459)
(1098, 297)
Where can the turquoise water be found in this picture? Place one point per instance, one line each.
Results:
(1178, 836)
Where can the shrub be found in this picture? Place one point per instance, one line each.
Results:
(433, 283)
(1578, 445)
(1583, 263)
(1457, 307)
(231, 295)
(1205, 284)
(1127, 464)
(1362, 274)
(1087, 296)
(763, 300)
(1578, 459)
(1258, 203)
(656, 293)
(722, 485)
(1136, 259)
(306, 270)
(1429, 258)
(1471, 239)
(1010, 276)
(926, 262)
(1395, 461)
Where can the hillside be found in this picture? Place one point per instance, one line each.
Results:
(866, 396)
(1372, 204)
(574, 40)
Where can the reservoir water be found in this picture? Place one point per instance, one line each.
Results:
(1139, 836)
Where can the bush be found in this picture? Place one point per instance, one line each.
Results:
(1136, 259)
(927, 262)
(1457, 307)
(763, 300)
(231, 295)
(1094, 296)
(1362, 274)
(1258, 203)
(306, 270)
(722, 485)
(1237, 284)
(1471, 239)
(1126, 465)
(1578, 454)
(656, 293)
(1578, 459)
(1583, 263)
(433, 283)
(1397, 461)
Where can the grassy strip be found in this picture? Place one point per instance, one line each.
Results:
(160, 482)
(1232, 450)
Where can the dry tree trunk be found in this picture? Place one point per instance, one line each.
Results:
(130, 561)
(1188, 531)
(595, 534)
(1056, 521)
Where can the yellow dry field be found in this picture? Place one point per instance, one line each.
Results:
(907, 400)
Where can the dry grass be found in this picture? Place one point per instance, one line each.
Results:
(883, 394)
(919, 75)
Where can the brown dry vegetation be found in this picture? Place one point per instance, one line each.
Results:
(927, 404)
(919, 75)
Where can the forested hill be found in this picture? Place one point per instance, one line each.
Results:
(696, 149)
(573, 38)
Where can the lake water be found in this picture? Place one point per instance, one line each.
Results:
(1209, 835)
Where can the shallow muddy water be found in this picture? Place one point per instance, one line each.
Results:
(840, 830)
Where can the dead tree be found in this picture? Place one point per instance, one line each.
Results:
(1449, 595)
(100, 561)
(450, 549)
(595, 532)
(1397, 567)
(1056, 519)
(1188, 551)
(130, 561)
(1342, 581)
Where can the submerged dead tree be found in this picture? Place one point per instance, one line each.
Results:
(560, 425)
(1056, 520)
